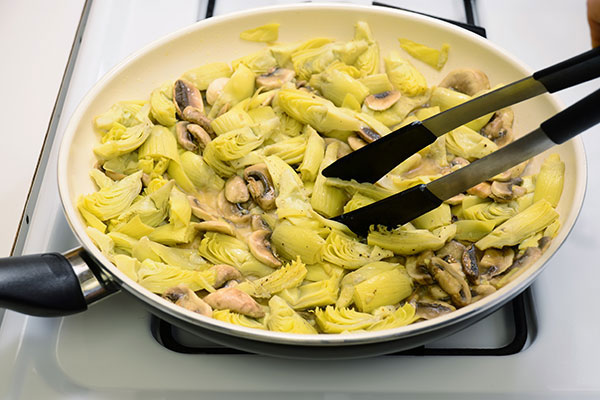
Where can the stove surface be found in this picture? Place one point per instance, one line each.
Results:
(109, 352)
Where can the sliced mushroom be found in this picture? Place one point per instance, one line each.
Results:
(544, 243)
(355, 142)
(454, 284)
(185, 95)
(202, 138)
(480, 291)
(235, 300)
(195, 116)
(236, 190)
(214, 90)
(185, 297)
(367, 134)
(261, 248)
(499, 129)
(258, 223)
(432, 309)
(511, 173)
(234, 212)
(260, 186)
(467, 81)
(482, 190)
(455, 200)
(507, 191)
(215, 226)
(202, 211)
(275, 78)
(184, 137)
(382, 101)
(417, 270)
(437, 293)
(459, 161)
(225, 273)
(451, 252)
(531, 255)
(496, 261)
(470, 266)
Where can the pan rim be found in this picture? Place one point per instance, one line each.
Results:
(469, 312)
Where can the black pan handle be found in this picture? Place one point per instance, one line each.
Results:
(51, 284)
(571, 72)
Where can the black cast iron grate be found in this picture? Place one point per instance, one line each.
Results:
(167, 336)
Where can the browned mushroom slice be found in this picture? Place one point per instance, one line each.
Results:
(451, 252)
(480, 291)
(235, 300)
(202, 211)
(185, 297)
(225, 273)
(258, 223)
(432, 309)
(367, 134)
(467, 81)
(499, 129)
(382, 101)
(481, 190)
(544, 243)
(236, 190)
(531, 255)
(185, 94)
(470, 265)
(215, 226)
(355, 142)
(261, 248)
(195, 116)
(275, 78)
(417, 270)
(454, 284)
(260, 186)
(507, 191)
(495, 261)
(437, 293)
(234, 212)
(214, 90)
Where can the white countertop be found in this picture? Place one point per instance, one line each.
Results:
(538, 32)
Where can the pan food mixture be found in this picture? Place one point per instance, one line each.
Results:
(210, 192)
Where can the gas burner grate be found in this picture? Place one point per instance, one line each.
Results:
(168, 335)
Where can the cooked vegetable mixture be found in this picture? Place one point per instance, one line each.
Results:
(210, 192)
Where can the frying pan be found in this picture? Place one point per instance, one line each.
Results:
(56, 284)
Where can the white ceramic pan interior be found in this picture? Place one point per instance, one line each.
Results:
(217, 39)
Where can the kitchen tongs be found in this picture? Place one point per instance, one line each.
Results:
(373, 161)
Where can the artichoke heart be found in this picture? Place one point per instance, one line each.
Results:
(111, 201)
(349, 253)
(286, 277)
(283, 318)
(340, 320)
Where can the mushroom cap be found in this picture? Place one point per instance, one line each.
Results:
(496, 261)
(275, 78)
(467, 81)
(184, 137)
(236, 190)
(185, 94)
(219, 226)
(234, 212)
(367, 134)
(235, 300)
(261, 248)
(355, 142)
(260, 186)
(214, 90)
(382, 101)
(185, 297)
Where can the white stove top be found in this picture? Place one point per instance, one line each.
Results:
(109, 353)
